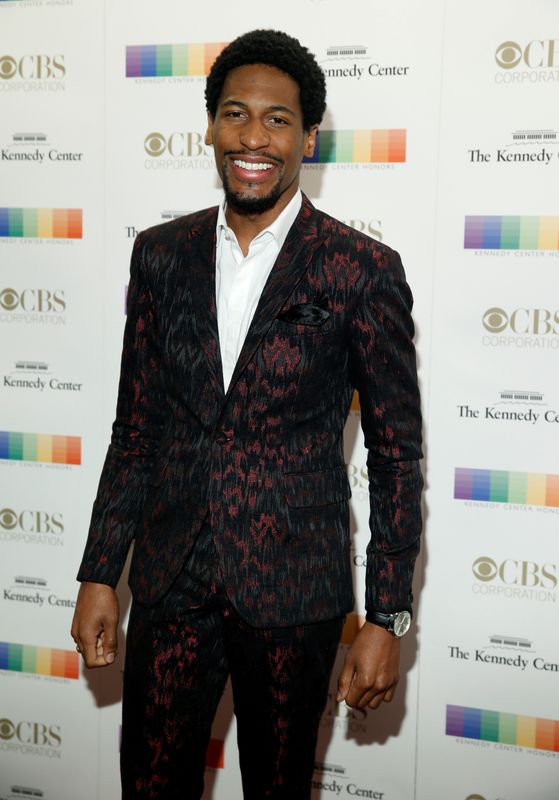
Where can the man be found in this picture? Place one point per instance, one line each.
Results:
(249, 327)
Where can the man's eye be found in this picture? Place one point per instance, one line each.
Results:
(279, 121)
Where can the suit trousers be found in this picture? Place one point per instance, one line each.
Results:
(178, 657)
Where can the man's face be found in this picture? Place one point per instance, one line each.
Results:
(258, 138)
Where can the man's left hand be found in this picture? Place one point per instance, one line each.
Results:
(371, 669)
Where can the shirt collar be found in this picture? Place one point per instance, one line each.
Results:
(279, 228)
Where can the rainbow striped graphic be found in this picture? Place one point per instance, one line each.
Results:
(499, 726)
(363, 147)
(41, 223)
(44, 447)
(39, 660)
(165, 60)
(511, 233)
(500, 486)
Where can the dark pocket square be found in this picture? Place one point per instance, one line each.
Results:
(307, 313)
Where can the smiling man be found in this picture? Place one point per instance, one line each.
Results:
(249, 327)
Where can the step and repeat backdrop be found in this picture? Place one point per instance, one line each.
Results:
(442, 139)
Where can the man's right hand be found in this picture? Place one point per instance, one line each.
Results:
(95, 623)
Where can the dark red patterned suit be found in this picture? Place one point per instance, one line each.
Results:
(258, 469)
(267, 457)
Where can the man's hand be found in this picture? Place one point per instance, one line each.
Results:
(95, 623)
(370, 672)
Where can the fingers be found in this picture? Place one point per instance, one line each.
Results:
(345, 680)
(109, 644)
(365, 691)
(98, 650)
(94, 628)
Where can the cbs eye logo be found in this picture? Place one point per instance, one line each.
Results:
(8, 67)
(9, 299)
(155, 144)
(8, 519)
(484, 569)
(495, 320)
(7, 729)
(508, 55)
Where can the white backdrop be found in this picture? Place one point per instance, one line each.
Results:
(101, 135)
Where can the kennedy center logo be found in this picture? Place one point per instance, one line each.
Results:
(354, 63)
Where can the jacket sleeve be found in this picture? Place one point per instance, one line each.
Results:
(383, 369)
(136, 434)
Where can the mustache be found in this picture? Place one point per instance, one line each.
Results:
(242, 153)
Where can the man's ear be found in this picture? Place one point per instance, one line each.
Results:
(310, 141)
(208, 138)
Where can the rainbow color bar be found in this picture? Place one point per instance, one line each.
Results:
(499, 726)
(41, 223)
(364, 147)
(44, 447)
(39, 660)
(165, 60)
(511, 233)
(500, 486)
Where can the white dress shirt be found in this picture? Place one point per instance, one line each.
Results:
(239, 280)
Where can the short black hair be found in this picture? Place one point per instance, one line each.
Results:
(275, 49)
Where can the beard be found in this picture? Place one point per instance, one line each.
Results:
(248, 205)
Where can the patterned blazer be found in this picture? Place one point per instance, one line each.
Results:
(263, 461)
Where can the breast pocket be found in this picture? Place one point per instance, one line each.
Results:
(297, 329)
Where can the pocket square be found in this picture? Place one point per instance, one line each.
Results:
(314, 313)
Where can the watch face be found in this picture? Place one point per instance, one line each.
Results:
(402, 623)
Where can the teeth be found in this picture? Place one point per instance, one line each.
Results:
(251, 165)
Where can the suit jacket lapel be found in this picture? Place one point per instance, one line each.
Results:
(291, 264)
(201, 268)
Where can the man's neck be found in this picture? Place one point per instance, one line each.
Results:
(247, 226)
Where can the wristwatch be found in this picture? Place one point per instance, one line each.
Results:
(398, 623)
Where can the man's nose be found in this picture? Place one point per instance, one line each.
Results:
(254, 135)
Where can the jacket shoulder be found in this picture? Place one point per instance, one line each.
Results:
(182, 228)
(337, 234)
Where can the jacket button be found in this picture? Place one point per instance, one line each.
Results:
(224, 437)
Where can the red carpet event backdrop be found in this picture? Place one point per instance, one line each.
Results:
(441, 139)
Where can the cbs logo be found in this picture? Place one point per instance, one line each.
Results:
(39, 67)
(537, 53)
(180, 144)
(537, 321)
(372, 227)
(31, 521)
(33, 733)
(515, 573)
(41, 300)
